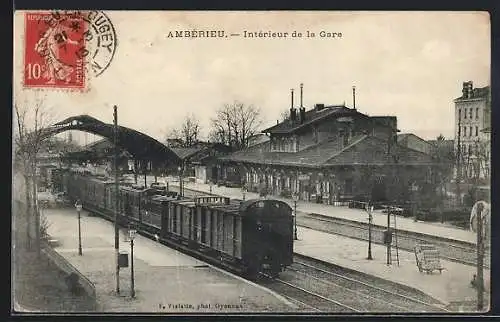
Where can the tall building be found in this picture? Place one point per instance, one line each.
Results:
(472, 140)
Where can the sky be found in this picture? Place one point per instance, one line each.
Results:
(407, 64)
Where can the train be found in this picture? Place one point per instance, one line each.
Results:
(252, 237)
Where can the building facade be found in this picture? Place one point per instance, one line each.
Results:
(414, 142)
(472, 141)
(330, 154)
(200, 160)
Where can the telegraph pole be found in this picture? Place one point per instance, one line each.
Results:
(480, 257)
(388, 234)
(370, 221)
(117, 196)
(459, 155)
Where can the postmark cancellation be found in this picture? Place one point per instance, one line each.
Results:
(64, 49)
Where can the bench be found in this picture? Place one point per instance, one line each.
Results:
(428, 258)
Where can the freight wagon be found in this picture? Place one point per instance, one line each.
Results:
(250, 237)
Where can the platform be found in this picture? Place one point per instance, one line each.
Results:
(379, 218)
(449, 287)
(165, 280)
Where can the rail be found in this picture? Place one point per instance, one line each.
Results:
(390, 295)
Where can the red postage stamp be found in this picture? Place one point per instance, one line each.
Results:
(54, 54)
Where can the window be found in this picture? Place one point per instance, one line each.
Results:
(459, 113)
(477, 131)
(469, 149)
(470, 130)
(465, 131)
(477, 113)
(470, 113)
(465, 113)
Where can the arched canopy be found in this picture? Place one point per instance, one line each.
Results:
(140, 145)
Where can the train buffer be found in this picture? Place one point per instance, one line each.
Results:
(428, 258)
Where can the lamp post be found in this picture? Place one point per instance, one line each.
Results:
(78, 206)
(131, 234)
(295, 198)
(370, 221)
(243, 192)
(180, 181)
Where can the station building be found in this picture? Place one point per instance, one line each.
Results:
(330, 154)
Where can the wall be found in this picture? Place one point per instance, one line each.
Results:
(332, 185)
(417, 144)
(67, 268)
(200, 173)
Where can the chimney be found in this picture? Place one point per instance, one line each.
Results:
(302, 114)
(467, 89)
(354, 97)
(293, 111)
(470, 89)
(464, 89)
(301, 94)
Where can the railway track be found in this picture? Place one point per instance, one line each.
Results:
(307, 299)
(357, 290)
(318, 287)
(456, 251)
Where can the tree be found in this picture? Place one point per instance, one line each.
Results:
(187, 134)
(475, 161)
(30, 122)
(444, 157)
(285, 115)
(234, 124)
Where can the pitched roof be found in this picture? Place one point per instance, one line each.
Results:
(184, 153)
(363, 150)
(312, 116)
(99, 144)
(405, 136)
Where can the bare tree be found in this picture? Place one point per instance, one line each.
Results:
(285, 115)
(188, 133)
(30, 121)
(476, 160)
(444, 157)
(234, 124)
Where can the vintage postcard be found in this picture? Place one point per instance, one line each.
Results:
(232, 162)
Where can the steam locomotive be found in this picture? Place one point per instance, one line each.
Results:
(247, 237)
